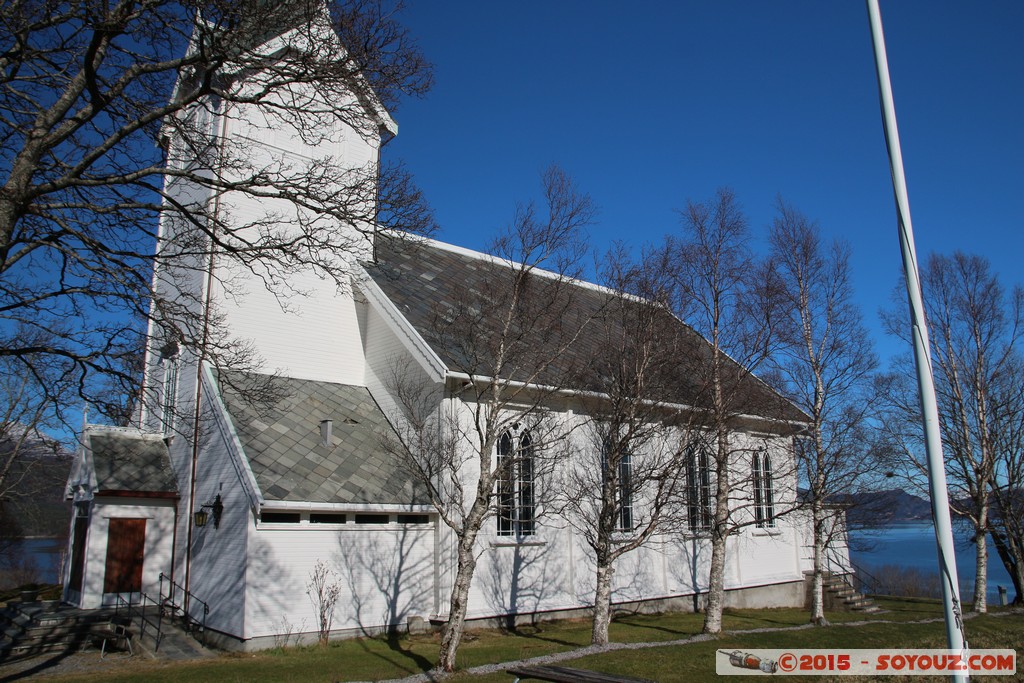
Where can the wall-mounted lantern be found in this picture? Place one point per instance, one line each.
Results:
(202, 516)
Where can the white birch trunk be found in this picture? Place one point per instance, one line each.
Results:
(818, 583)
(719, 533)
(981, 566)
(602, 605)
(451, 635)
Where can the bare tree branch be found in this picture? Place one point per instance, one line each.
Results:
(106, 107)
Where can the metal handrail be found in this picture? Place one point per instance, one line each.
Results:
(873, 583)
(143, 618)
(853, 570)
(190, 599)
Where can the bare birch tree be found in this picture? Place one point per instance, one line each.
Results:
(728, 297)
(976, 332)
(1007, 513)
(624, 486)
(825, 362)
(478, 443)
(97, 97)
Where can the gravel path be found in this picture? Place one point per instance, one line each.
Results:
(611, 647)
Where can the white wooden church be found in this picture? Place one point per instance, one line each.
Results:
(239, 502)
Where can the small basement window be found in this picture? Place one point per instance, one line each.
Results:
(372, 519)
(327, 518)
(280, 517)
(414, 519)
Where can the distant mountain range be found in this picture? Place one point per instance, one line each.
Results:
(880, 508)
(38, 508)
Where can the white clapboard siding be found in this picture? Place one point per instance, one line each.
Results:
(384, 574)
(220, 560)
(301, 323)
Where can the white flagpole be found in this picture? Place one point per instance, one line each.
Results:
(955, 636)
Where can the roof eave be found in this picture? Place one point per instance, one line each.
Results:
(233, 441)
(308, 506)
(404, 330)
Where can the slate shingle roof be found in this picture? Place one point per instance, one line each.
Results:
(129, 462)
(444, 293)
(281, 437)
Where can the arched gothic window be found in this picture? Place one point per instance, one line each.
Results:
(698, 490)
(516, 499)
(624, 489)
(764, 495)
(626, 492)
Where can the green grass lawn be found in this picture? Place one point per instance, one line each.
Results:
(379, 658)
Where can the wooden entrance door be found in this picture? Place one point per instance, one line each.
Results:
(126, 540)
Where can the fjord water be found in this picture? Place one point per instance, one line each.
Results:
(911, 545)
(45, 554)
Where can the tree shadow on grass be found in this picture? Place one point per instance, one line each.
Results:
(405, 659)
(535, 632)
(762, 618)
(646, 622)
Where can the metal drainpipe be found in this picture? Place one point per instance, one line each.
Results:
(439, 535)
(199, 374)
(174, 539)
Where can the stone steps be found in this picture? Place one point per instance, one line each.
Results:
(29, 629)
(32, 629)
(839, 588)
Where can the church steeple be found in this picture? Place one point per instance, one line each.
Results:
(278, 173)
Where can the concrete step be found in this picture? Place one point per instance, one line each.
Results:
(64, 632)
(841, 591)
(35, 628)
(867, 608)
(28, 630)
(20, 649)
(176, 645)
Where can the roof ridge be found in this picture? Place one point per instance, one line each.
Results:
(509, 263)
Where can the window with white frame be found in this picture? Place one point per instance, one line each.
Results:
(624, 489)
(764, 495)
(698, 490)
(625, 500)
(516, 499)
(169, 394)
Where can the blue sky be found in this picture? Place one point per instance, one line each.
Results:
(649, 104)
